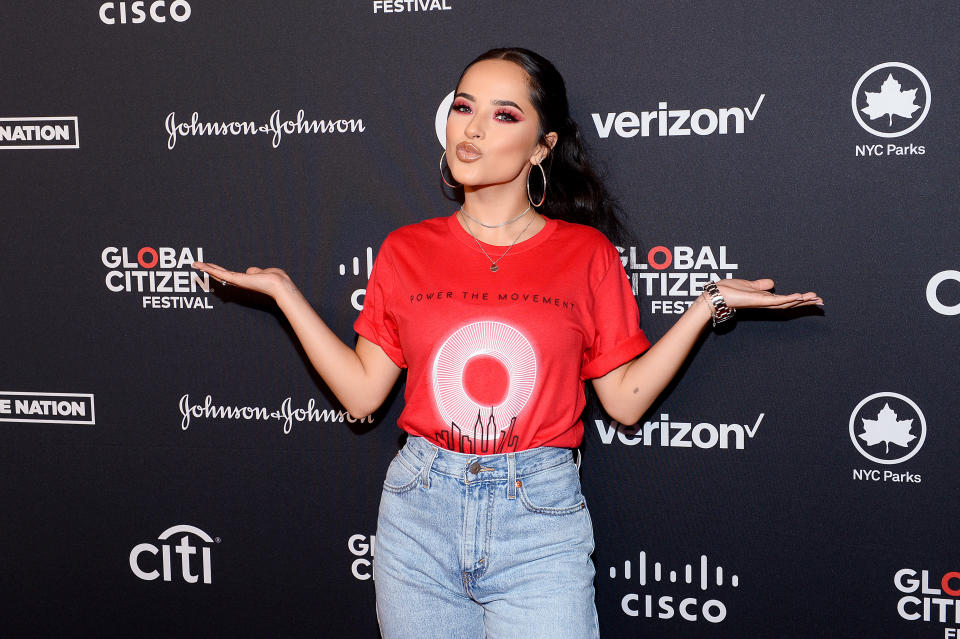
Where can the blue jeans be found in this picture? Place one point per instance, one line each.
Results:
(474, 546)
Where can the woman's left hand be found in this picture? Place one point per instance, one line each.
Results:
(756, 294)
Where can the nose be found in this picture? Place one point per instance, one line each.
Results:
(474, 127)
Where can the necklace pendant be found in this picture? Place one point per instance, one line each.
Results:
(494, 268)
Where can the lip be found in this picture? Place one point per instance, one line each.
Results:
(468, 152)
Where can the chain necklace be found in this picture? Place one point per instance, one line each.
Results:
(494, 226)
(493, 262)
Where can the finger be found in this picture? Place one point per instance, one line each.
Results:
(780, 301)
(764, 283)
(218, 272)
(208, 267)
(816, 301)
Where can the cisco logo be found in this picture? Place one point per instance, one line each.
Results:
(701, 581)
(139, 12)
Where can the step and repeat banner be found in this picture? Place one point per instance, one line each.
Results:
(171, 464)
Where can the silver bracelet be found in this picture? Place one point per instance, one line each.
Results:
(718, 306)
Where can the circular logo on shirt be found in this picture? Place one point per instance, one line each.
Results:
(483, 376)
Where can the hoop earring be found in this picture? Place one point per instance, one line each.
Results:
(544, 196)
(452, 186)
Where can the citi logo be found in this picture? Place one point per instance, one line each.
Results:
(39, 133)
(669, 122)
(156, 11)
(151, 568)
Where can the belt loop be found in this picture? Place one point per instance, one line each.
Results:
(511, 476)
(428, 464)
(579, 457)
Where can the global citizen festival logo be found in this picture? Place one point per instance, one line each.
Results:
(887, 428)
(410, 6)
(47, 408)
(932, 606)
(362, 547)
(150, 563)
(39, 133)
(163, 276)
(671, 278)
(890, 100)
(689, 600)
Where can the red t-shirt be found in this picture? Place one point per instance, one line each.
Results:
(497, 360)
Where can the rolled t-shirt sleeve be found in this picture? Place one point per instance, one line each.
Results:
(617, 336)
(375, 322)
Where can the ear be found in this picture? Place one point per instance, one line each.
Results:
(544, 148)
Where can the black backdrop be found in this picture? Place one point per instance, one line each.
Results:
(811, 457)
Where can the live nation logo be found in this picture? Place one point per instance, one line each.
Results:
(890, 100)
(39, 133)
(47, 408)
(887, 428)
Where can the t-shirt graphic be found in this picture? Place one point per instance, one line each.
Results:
(496, 361)
(483, 376)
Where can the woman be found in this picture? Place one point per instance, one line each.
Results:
(500, 312)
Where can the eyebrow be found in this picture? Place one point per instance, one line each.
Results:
(496, 102)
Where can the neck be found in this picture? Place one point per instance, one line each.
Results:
(494, 204)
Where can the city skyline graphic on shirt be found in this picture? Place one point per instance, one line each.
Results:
(483, 376)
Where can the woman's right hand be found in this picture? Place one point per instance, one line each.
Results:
(269, 281)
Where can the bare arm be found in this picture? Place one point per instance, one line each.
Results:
(361, 378)
(629, 390)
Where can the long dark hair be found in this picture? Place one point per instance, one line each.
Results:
(574, 192)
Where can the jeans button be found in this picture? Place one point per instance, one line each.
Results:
(475, 467)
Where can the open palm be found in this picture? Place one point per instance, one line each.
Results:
(269, 281)
(756, 294)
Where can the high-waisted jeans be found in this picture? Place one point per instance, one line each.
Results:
(474, 546)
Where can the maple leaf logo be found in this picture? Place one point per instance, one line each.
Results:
(887, 428)
(890, 101)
